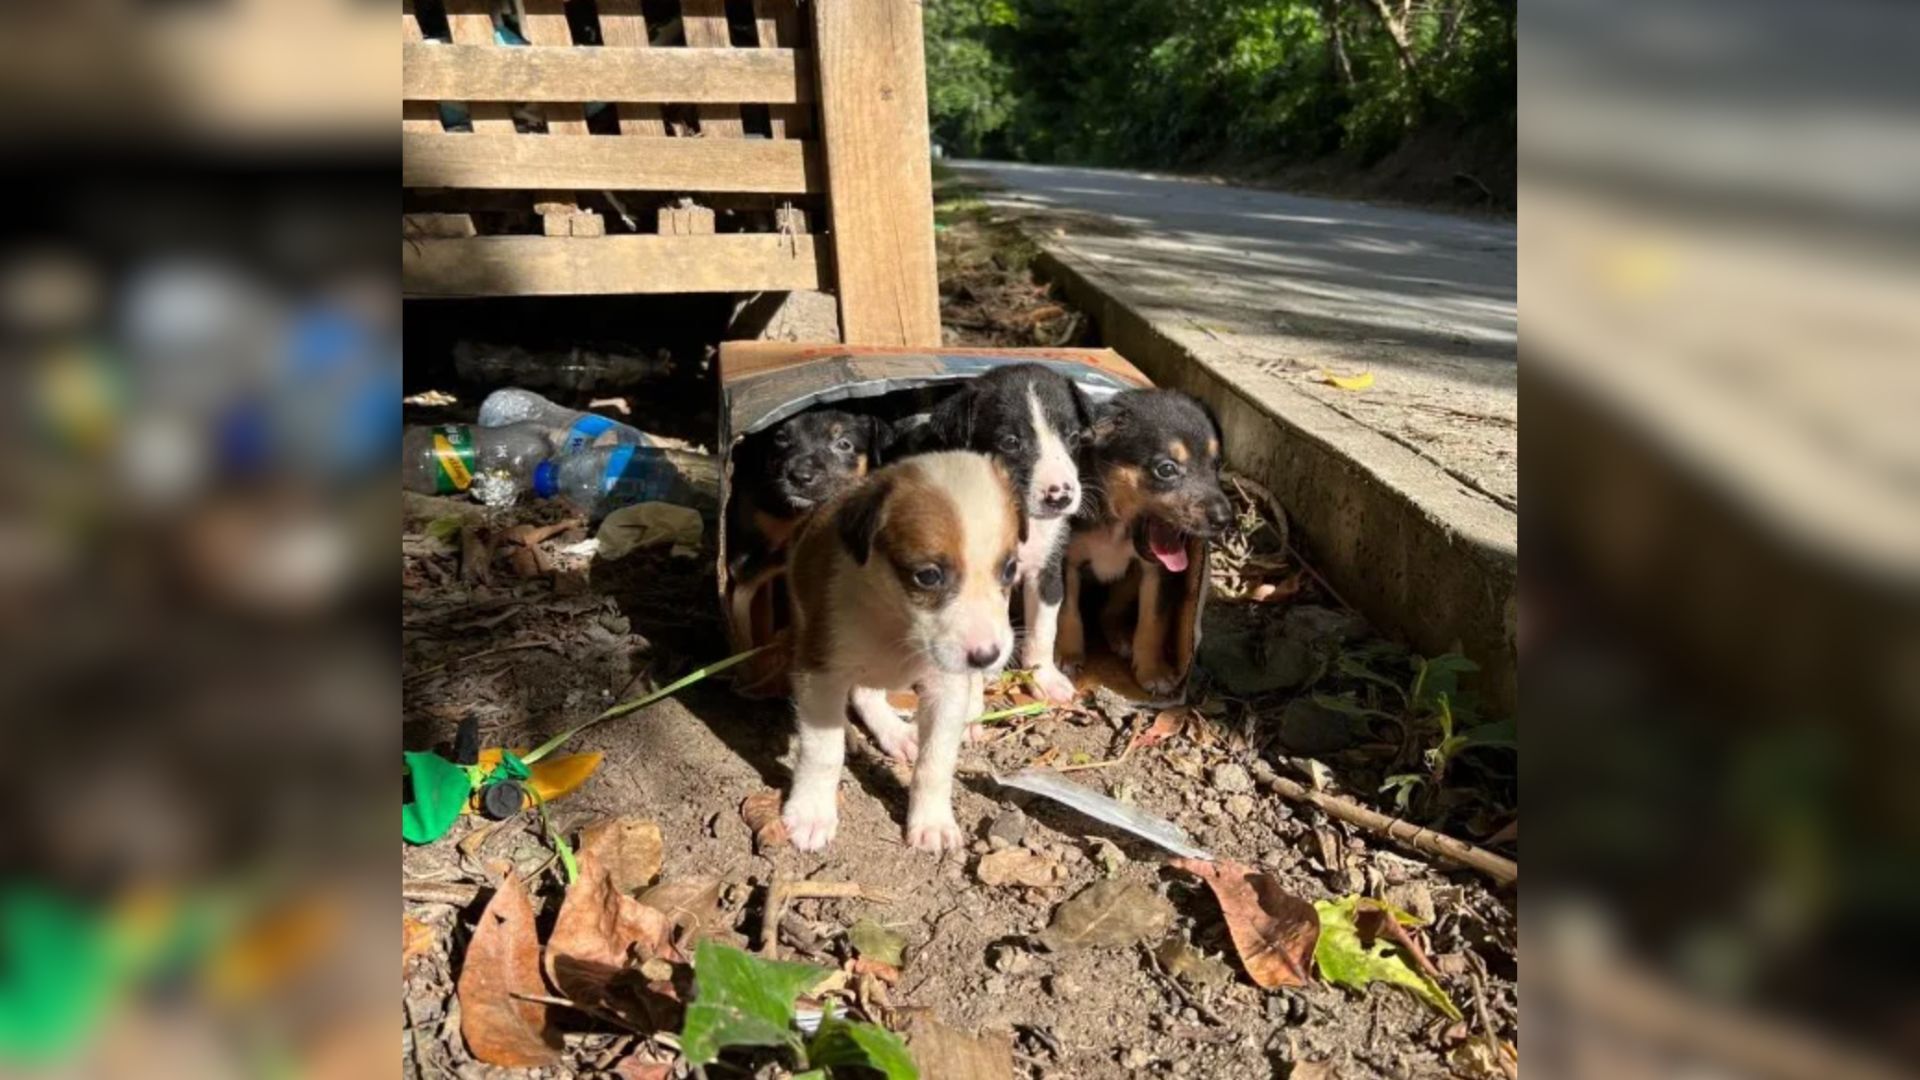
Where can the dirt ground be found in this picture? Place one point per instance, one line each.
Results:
(527, 633)
(527, 655)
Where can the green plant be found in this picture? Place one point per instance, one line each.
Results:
(1427, 715)
(742, 1000)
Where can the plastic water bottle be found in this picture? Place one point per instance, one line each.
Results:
(495, 463)
(609, 477)
(572, 430)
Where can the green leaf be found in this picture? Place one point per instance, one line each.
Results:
(1344, 961)
(565, 851)
(741, 1000)
(876, 942)
(440, 790)
(1502, 734)
(869, 1046)
(1346, 706)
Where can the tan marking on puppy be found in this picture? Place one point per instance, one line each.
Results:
(861, 465)
(900, 583)
(1213, 449)
(1178, 451)
(1150, 667)
(1124, 493)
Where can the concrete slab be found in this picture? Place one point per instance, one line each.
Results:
(1405, 494)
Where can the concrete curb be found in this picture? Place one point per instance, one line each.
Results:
(1421, 554)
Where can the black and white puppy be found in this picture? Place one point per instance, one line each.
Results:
(1032, 420)
(780, 475)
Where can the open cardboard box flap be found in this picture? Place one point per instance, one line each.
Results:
(765, 382)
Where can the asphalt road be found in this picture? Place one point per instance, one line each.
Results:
(1296, 288)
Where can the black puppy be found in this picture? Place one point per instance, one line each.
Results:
(780, 475)
(1153, 463)
(1033, 420)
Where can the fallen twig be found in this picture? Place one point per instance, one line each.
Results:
(780, 893)
(440, 892)
(1173, 983)
(544, 643)
(1502, 870)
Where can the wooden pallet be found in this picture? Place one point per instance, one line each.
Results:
(789, 153)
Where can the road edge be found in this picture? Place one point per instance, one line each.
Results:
(1419, 553)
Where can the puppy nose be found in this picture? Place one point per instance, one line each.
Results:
(803, 472)
(1219, 514)
(983, 656)
(1058, 497)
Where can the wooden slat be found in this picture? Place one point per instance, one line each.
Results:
(567, 266)
(778, 23)
(584, 73)
(455, 160)
(471, 23)
(873, 108)
(705, 22)
(624, 26)
(546, 27)
(415, 115)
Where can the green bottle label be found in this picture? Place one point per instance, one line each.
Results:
(453, 453)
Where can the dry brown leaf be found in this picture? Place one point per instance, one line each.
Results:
(1313, 1070)
(503, 960)
(1374, 921)
(1167, 724)
(633, 1068)
(952, 1054)
(416, 939)
(1018, 866)
(886, 973)
(1273, 592)
(1273, 932)
(602, 931)
(1108, 913)
(628, 848)
(691, 907)
(761, 812)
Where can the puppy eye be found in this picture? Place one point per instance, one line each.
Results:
(1009, 442)
(929, 577)
(1007, 571)
(844, 446)
(1166, 470)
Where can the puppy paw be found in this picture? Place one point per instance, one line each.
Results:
(1156, 679)
(899, 740)
(935, 835)
(1053, 684)
(811, 826)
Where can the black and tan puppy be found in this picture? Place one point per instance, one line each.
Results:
(779, 476)
(1153, 472)
(902, 582)
(1032, 420)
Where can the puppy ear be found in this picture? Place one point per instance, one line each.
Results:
(1084, 409)
(1109, 421)
(859, 517)
(879, 440)
(950, 425)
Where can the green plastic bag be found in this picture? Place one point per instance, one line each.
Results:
(440, 791)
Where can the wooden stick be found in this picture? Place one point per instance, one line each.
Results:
(1503, 871)
(780, 892)
(440, 892)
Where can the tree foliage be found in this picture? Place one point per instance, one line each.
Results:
(1169, 82)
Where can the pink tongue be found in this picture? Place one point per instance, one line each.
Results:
(1168, 545)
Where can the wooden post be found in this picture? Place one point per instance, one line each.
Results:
(873, 114)
(623, 26)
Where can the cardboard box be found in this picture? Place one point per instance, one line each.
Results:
(765, 382)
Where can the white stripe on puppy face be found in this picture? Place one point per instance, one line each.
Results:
(1054, 490)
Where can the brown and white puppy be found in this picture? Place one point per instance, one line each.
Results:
(1153, 466)
(1032, 419)
(900, 583)
(779, 476)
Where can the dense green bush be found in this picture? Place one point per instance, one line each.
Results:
(1170, 82)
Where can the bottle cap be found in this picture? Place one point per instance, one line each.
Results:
(546, 480)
